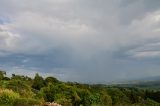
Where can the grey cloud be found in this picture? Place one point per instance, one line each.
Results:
(82, 40)
(131, 10)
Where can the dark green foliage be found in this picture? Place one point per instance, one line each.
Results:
(38, 82)
(75, 97)
(150, 102)
(154, 95)
(84, 95)
(6, 78)
(51, 80)
(105, 98)
(49, 92)
(18, 77)
(2, 74)
(25, 91)
(94, 98)
(20, 87)
(118, 97)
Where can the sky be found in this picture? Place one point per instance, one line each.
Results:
(81, 40)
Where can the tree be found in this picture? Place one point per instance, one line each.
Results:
(51, 80)
(84, 94)
(106, 99)
(118, 97)
(38, 82)
(49, 92)
(20, 87)
(2, 74)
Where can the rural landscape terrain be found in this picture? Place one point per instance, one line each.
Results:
(19, 90)
(79, 52)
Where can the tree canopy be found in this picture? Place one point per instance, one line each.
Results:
(22, 90)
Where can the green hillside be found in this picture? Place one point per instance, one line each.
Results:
(21, 90)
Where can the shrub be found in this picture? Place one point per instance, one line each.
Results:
(20, 87)
(64, 102)
(26, 102)
(150, 102)
(7, 97)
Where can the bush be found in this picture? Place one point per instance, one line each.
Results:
(64, 102)
(7, 97)
(20, 87)
(49, 92)
(150, 102)
(26, 102)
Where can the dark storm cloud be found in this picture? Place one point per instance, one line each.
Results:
(89, 41)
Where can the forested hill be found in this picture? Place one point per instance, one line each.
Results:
(19, 90)
(151, 83)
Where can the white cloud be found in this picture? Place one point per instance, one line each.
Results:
(8, 40)
(146, 54)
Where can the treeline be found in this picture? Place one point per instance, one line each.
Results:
(21, 90)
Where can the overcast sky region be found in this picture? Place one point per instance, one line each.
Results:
(81, 40)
